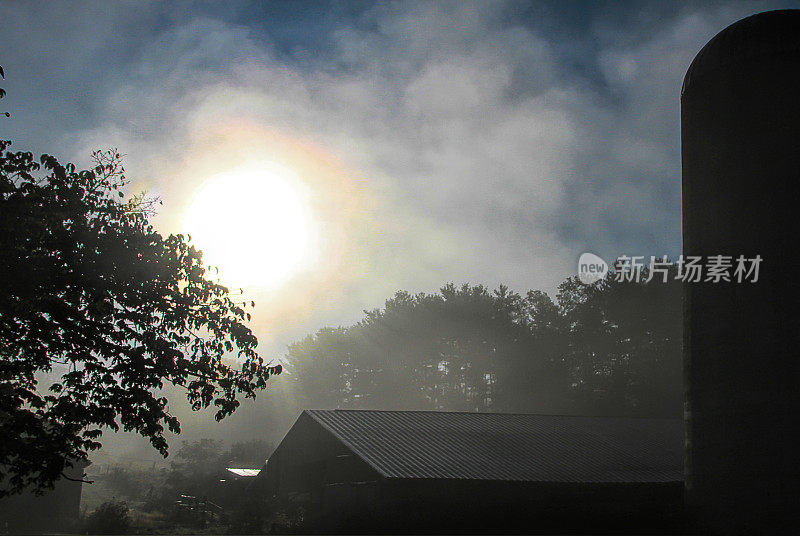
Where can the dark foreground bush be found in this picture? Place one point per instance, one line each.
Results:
(109, 518)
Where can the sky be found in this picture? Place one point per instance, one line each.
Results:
(425, 142)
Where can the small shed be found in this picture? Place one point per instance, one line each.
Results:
(416, 471)
(56, 510)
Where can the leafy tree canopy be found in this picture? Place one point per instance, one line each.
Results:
(96, 298)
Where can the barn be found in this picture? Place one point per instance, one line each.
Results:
(417, 471)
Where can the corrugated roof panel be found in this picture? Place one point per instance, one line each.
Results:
(492, 446)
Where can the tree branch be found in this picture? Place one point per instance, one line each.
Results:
(76, 479)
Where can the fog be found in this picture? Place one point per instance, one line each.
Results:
(479, 143)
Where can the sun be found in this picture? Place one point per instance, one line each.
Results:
(253, 224)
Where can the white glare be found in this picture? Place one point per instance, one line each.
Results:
(252, 224)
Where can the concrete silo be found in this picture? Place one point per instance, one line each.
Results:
(740, 128)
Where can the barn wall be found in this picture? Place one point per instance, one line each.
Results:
(459, 506)
(533, 507)
(310, 458)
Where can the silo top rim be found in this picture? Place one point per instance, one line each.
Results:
(762, 35)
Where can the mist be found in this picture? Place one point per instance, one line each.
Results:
(446, 164)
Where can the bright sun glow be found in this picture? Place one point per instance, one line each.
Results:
(253, 224)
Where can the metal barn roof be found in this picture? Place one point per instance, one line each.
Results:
(493, 446)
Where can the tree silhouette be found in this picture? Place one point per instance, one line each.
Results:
(98, 313)
(463, 349)
(609, 348)
(624, 344)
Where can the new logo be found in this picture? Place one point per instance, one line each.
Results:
(591, 268)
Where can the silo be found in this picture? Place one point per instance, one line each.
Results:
(740, 136)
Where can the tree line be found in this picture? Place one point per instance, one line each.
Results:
(610, 348)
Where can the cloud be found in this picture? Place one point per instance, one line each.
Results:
(472, 147)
